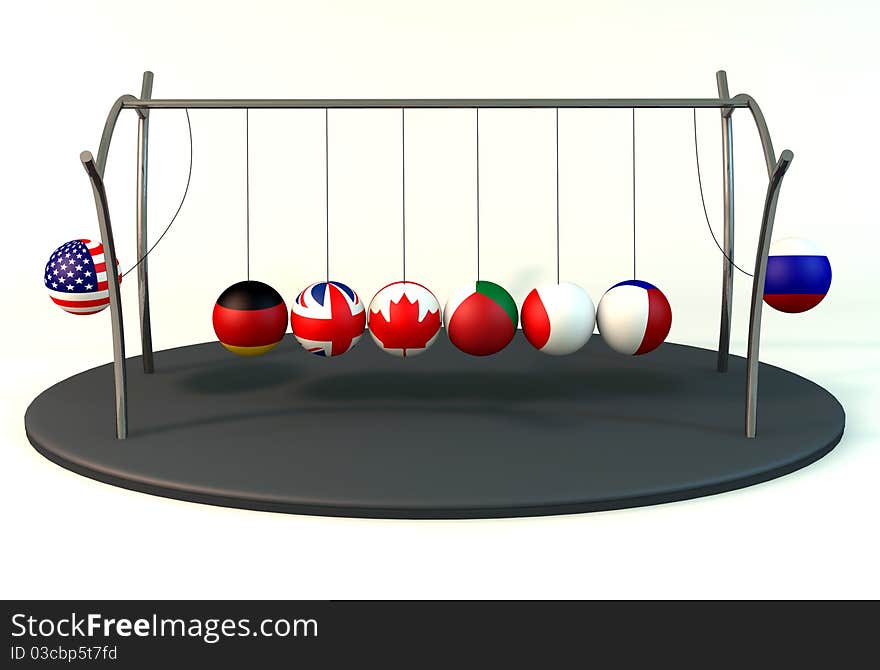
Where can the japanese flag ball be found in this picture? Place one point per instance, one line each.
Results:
(558, 319)
(634, 317)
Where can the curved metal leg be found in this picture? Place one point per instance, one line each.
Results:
(141, 214)
(107, 134)
(727, 274)
(767, 219)
(113, 288)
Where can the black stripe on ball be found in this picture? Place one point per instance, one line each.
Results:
(249, 295)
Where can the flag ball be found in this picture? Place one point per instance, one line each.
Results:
(481, 318)
(798, 275)
(328, 318)
(404, 319)
(250, 318)
(634, 317)
(76, 277)
(558, 319)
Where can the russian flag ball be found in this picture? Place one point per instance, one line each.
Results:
(634, 317)
(798, 275)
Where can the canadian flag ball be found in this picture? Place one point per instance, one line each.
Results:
(404, 319)
(558, 319)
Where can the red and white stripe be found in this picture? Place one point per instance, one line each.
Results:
(93, 301)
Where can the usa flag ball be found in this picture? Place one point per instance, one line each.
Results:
(404, 319)
(76, 277)
(481, 318)
(328, 318)
(798, 275)
(634, 317)
(558, 319)
(250, 318)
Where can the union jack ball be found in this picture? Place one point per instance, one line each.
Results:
(76, 277)
(634, 317)
(250, 318)
(481, 318)
(558, 319)
(328, 318)
(404, 319)
(798, 275)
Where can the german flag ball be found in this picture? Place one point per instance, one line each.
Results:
(250, 318)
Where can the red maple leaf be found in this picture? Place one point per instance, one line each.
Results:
(404, 330)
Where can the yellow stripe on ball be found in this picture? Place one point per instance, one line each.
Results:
(250, 351)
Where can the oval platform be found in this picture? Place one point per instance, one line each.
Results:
(442, 435)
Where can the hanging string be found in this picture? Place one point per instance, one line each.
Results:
(327, 192)
(703, 199)
(634, 187)
(557, 195)
(247, 187)
(403, 184)
(478, 194)
(182, 199)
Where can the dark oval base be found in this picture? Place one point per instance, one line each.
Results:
(442, 435)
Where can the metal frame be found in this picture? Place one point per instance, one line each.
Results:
(727, 261)
(775, 170)
(141, 216)
(435, 103)
(103, 211)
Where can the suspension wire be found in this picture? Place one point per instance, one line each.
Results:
(703, 200)
(327, 193)
(327, 196)
(182, 199)
(478, 194)
(557, 195)
(634, 187)
(403, 184)
(247, 188)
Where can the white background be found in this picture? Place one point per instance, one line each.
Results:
(812, 65)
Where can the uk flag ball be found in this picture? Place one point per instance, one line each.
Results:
(798, 275)
(76, 277)
(404, 319)
(328, 318)
(558, 319)
(634, 317)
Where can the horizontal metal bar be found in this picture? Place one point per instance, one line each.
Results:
(488, 103)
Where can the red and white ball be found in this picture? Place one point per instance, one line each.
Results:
(634, 317)
(404, 319)
(558, 319)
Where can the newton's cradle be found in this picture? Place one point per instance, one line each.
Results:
(442, 435)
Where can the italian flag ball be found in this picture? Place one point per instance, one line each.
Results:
(481, 318)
